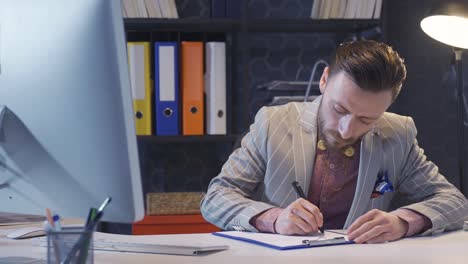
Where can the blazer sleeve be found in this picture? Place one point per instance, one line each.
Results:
(433, 195)
(227, 203)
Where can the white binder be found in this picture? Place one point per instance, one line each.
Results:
(378, 9)
(215, 88)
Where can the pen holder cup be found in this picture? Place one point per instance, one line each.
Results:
(72, 244)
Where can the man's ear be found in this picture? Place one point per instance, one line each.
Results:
(324, 79)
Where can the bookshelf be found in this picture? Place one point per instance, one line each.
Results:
(229, 30)
(237, 33)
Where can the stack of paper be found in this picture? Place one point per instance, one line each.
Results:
(149, 8)
(346, 9)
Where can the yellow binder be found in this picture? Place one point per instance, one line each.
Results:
(139, 56)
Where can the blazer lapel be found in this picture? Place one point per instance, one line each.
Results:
(369, 166)
(304, 144)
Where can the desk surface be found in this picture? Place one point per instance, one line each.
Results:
(445, 248)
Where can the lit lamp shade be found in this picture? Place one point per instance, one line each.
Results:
(448, 23)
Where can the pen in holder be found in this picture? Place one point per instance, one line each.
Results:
(60, 243)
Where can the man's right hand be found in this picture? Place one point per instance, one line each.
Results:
(299, 218)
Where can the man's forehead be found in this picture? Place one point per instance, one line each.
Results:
(346, 90)
(358, 101)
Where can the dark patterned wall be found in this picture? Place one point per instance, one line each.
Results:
(175, 167)
(429, 92)
(284, 56)
(258, 58)
(193, 8)
(280, 8)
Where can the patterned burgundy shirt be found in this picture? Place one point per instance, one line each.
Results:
(333, 183)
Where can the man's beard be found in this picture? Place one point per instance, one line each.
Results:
(334, 141)
(332, 138)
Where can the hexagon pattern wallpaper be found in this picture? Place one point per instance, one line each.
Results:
(268, 57)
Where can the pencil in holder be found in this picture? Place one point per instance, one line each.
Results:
(70, 245)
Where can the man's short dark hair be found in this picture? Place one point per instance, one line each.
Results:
(373, 66)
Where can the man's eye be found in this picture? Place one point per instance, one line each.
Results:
(339, 110)
(365, 122)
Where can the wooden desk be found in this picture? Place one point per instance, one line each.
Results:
(172, 224)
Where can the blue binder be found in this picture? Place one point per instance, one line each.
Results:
(166, 88)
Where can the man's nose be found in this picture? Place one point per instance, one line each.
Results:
(346, 127)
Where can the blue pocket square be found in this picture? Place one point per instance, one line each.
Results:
(382, 185)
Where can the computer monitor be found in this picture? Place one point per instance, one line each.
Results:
(67, 135)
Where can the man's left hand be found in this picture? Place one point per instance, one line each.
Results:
(377, 227)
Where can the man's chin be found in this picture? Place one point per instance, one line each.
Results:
(337, 145)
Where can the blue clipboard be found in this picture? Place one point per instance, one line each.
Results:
(278, 242)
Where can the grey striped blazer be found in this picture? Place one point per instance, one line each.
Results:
(280, 148)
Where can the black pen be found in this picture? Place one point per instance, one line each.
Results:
(91, 216)
(301, 194)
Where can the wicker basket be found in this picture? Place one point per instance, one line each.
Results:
(166, 203)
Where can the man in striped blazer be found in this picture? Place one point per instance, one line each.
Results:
(360, 167)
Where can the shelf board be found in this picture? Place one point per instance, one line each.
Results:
(181, 25)
(252, 25)
(188, 139)
(311, 25)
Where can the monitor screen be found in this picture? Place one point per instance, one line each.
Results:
(67, 135)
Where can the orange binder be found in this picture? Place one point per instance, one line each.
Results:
(192, 84)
